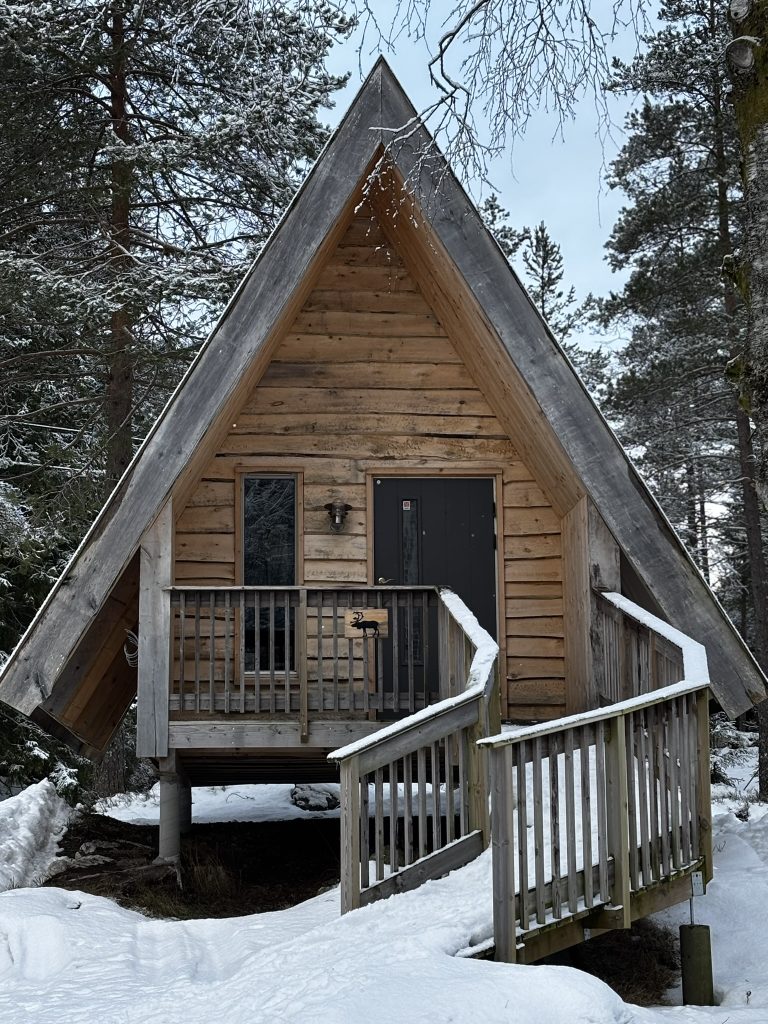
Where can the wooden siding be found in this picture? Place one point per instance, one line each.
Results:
(366, 380)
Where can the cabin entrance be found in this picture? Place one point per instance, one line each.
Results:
(434, 531)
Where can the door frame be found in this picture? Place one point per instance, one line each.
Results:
(495, 473)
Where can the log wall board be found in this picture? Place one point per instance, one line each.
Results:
(366, 379)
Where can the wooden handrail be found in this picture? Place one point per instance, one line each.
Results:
(434, 750)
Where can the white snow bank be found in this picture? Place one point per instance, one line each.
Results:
(67, 957)
(262, 802)
(31, 824)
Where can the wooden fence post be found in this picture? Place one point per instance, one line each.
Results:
(503, 853)
(301, 657)
(703, 808)
(350, 834)
(155, 637)
(617, 800)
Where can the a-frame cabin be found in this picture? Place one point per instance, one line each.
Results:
(380, 414)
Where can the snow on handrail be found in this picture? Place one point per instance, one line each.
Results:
(480, 672)
(694, 654)
(623, 707)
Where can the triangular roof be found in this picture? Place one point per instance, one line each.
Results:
(453, 253)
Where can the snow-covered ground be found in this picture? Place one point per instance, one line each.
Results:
(67, 957)
(31, 824)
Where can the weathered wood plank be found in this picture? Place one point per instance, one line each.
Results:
(429, 400)
(155, 655)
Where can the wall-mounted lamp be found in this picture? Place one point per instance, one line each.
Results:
(337, 510)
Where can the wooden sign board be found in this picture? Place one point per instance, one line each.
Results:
(366, 622)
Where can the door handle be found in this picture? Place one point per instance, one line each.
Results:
(382, 581)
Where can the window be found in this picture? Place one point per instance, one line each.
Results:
(269, 560)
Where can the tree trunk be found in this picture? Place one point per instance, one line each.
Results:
(120, 355)
(747, 57)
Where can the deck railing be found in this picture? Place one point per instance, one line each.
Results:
(287, 650)
(632, 655)
(414, 796)
(589, 811)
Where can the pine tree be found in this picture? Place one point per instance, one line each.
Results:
(146, 151)
(677, 409)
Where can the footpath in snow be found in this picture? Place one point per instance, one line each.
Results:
(70, 957)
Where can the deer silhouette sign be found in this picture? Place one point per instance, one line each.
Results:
(365, 624)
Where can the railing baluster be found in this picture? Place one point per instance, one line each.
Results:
(538, 830)
(335, 613)
(379, 821)
(685, 777)
(450, 818)
(241, 653)
(320, 651)
(182, 652)
(653, 795)
(271, 648)
(396, 654)
(521, 793)
(463, 785)
(436, 810)
(212, 655)
(409, 648)
(570, 821)
(421, 773)
(674, 783)
(227, 649)
(393, 816)
(634, 873)
(554, 825)
(257, 657)
(425, 646)
(602, 820)
(365, 833)
(642, 776)
(379, 703)
(287, 647)
(663, 776)
(198, 641)
(408, 809)
(586, 816)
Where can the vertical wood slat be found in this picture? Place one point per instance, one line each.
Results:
(436, 816)
(287, 648)
(674, 783)
(421, 777)
(425, 646)
(396, 654)
(320, 652)
(685, 779)
(409, 649)
(586, 817)
(634, 872)
(365, 833)
(378, 811)
(663, 786)
(271, 650)
(301, 656)
(212, 652)
(227, 650)
(538, 829)
(570, 822)
(393, 816)
(640, 731)
(257, 657)
(653, 796)
(335, 642)
(450, 816)
(617, 811)
(408, 809)
(380, 702)
(554, 826)
(502, 853)
(602, 815)
(521, 793)
(241, 651)
(703, 795)
(198, 641)
(350, 834)
(182, 652)
(463, 785)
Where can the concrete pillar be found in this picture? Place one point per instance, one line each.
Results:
(170, 833)
(185, 806)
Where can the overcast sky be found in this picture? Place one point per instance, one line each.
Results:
(559, 181)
